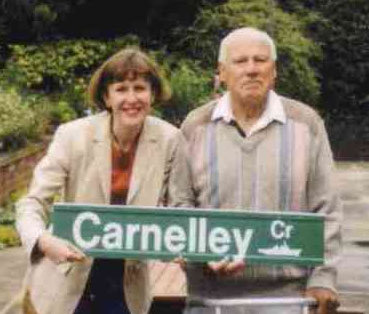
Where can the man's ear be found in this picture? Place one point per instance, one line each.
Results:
(275, 71)
(221, 71)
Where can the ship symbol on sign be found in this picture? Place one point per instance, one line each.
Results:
(280, 230)
(281, 250)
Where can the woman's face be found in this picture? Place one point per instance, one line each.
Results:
(129, 101)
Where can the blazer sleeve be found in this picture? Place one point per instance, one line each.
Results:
(323, 198)
(49, 178)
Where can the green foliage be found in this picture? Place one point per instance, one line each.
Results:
(43, 12)
(346, 49)
(191, 86)
(61, 70)
(8, 236)
(61, 112)
(18, 122)
(55, 65)
(43, 19)
(342, 32)
(55, 77)
(7, 217)
(296, 52)
(28, 21)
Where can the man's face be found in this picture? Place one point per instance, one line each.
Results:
(248, 72)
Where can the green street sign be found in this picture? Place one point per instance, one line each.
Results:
(111, 231)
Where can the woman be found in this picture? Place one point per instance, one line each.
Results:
(119, 156)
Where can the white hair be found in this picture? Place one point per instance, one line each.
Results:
(249, 33)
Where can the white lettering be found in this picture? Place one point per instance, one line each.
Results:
(192, 234)
(202, 235)
(242, 244)
(84, 244)
(114, 236)
(130, 233)
(289, 229)
(219, 240)
(195, 237)
(146, 231)
(277, 229)
(175, 238)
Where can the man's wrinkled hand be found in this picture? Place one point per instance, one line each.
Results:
(227, 268)
(182, 262)
(58, 250)
(327, 299)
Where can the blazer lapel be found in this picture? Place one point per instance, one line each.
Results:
(146, 159)
(147, 164)
(102, 150)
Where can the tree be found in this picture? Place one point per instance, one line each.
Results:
(346, 52)
(16, 18)
(296, 52)
(343, 33)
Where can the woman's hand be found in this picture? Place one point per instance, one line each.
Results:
(58, 250)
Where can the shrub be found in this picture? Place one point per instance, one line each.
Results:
(53, 66)
(191, 86)
(8, 236)
(54, 76)
(7, 216)
(61, 112)
(18, 122)
(60, 70)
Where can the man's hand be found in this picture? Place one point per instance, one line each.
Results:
(327, 299)
(227, 268)
(58, 250)
(182, 262)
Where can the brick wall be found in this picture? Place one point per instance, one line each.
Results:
(16, 168)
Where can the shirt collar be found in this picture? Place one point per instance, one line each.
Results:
(223, 109)
(273, 111)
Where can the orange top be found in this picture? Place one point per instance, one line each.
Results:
(122, 164)
(169, 282)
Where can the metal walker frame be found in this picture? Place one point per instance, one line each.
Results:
(306, 304)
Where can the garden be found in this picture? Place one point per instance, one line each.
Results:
(47, 56)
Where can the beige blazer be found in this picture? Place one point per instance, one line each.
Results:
(78, 164)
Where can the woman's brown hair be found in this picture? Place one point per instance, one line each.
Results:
(128, 63)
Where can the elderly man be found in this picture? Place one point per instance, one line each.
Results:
(253, 149)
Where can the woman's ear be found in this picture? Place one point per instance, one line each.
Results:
(105, 99)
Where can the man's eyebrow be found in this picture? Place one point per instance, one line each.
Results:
(264, 56)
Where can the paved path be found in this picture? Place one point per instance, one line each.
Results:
(353, 276)
(353, 279)
(12, 269)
